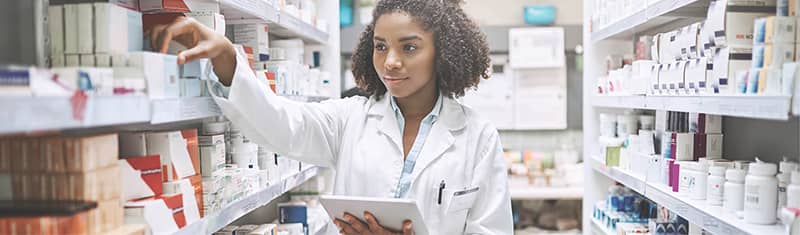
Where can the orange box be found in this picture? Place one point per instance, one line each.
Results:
(83, 154)
(197, 183)
(175, 203)
(193, 146)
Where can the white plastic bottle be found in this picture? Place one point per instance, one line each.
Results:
(716, 183)
(698, 191)
(793, 191)
(761, 193)
(784, 176)
(734, 190)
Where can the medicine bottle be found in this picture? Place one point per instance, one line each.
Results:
(761, 193)
(785, 169)
(701, 179)
(716, 183)
(793, 191)
(734, 190)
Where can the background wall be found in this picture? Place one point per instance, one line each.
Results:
(570, 12)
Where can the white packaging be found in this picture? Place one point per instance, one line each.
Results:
(734, 190)
(175, 159)
(71, 29)
(784, 178)
(701, 181)
(160, 71)
(684, 147)
(780, 29)
(705, 123)
(761, 194)
(58, 61)
(55, 15)
(655, 80)
(771, 81)
(695, 75)
(727, 61)
(211, 19)
(255, 36)
(714, 145)
(641, 71)
(608, 125)
(85, 28)
(732, 28)
(627, 124)
(291, 229)
(793, 191)
(716, 183)
(117, 29)
(245, 155)
(778, 54)
(752, 81)
(102, 60)
(87, 60)
(655, 48)
(119, 60)
(695, 41)
(788, 78)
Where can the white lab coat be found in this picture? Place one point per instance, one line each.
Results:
(360, 139)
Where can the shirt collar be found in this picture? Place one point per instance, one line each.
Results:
(437, 108)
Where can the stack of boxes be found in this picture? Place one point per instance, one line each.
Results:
(58, 169)
(162, 171)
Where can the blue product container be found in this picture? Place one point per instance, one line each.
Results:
(290, 213)
(540, 14)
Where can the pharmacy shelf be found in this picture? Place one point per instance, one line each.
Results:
(184, 109)
(622, 176)
(758, 107)
(711, 218)
(281, 23)
(521, 190)
(600, 229)
(35, 114)
(653, 16)
(307, 99)
(216, 221)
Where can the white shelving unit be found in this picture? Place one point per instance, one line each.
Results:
(521, 190)
(37, 114)
(618, 38)
(216, 221)
(759, 107)
(282, 24)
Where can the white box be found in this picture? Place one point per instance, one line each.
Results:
(191, 87)
(117, 29)
(55, 15)
(788, 77)
(73, 60)
(58, 60)
(679, 77)
(213, 20)
(771, 81)
(695, 75)
(102, 60)
(732, 28)
(694, 45)
(727, 61)
(71, 29)
(655, 49)
(175, 159)
(705, 123)
(132, 144)
(255, 36)
(87, 60)
(778, 54)
(119, 60)
(160, 71)
(641, 72)
(780, 29)
(212, 159)
(85, 28)
(665, 47)
(714, 145)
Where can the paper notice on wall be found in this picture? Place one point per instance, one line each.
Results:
(536, 47)
(494, 100)
(540, 99)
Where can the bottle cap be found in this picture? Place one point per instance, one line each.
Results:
(717, 170)
(786, 166)
(795, 177)
(763, 169)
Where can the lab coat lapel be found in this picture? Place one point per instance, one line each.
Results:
(388, 122)
(441, 138)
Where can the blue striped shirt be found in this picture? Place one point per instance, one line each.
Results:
(424, 129)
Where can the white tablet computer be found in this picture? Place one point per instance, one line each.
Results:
(390, 212)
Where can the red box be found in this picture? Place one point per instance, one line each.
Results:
(197, 183)
(193, 146)
(175, 203)
(163, 6)
(150, 166)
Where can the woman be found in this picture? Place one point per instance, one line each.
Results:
(409, 139)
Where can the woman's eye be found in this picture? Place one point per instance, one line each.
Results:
(410, 48)
(380, 47)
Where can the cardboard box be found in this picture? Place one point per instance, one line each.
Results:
(71, 30)
(160, 71)
(714, 145)
(132, 144)
(780, 29)
(55, 16)
(142, 177)
(770, 82)
(727, 61)
(162, 6)
(176, 163)
(117, 29)
(100, 184)
(191, 87)
(192, 146)
(778, 54)
(733, 28)
(72, 60)
(83, 154)
(85, 28)
(255, 36)
(705, 123)
(154, 212)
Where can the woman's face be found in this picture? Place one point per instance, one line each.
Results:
(403, 55)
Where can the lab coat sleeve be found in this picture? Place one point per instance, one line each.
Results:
(309, 132)
(491, 213)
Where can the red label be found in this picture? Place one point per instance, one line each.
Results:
(78, 102)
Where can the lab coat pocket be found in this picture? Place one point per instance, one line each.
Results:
(462, 199)
(455, 208)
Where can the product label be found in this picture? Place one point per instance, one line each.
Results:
(751, 196)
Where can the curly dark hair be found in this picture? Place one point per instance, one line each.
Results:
(462, 53)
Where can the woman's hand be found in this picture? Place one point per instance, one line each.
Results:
(354, 226)
(202, 43)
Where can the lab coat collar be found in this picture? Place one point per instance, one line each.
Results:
(452, 114)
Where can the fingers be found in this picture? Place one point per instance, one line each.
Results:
(356, 223)
(372, 222)
(344, 227)
(198, 52)
(154, 34)
(179, 27)
(408, 228)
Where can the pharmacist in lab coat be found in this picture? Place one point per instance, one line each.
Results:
(409, 139)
